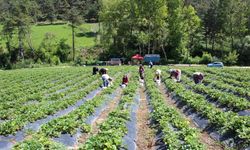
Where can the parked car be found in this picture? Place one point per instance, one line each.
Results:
(114, 61)
(215, 64)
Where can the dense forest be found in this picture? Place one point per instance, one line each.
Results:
(182, 31)
(190, 31)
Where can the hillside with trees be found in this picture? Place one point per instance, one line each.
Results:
(181, 31)
(184, 31)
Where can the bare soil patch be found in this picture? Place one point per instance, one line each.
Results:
(145, 135)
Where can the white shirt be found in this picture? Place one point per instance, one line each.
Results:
(105, 76)
(158, 71)
(197, 73)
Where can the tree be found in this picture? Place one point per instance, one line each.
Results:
(182, 23)
(149, 26)
(244, 51)
(48, 10)
(231, 58)
(131, 24)
(47, 48)
(211, 24)
(236, 26)
(191, 22)
(248, 14)
(63, 50)
(18, 16)
(232, 21)
(114, 16)
(73, 11)
(92, 11)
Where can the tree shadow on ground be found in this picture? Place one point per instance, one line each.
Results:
(86, 34)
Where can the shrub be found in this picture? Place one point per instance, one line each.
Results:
(244, 51)
(26, 63)
(55, 60)
(215, 59)
(39, 61)
(4, 58)
(63, 50)
(47, 48)
(231, 58)
(79, 61)
(195, 60)
(206, 58)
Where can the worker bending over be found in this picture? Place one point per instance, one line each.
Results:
(175, 74)
(103, 71)
(95, 70)
(157, 77)
(198, 77)
(107, 80)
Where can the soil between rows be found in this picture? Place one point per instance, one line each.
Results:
(205, 138)
(101, 118)
(145, 135)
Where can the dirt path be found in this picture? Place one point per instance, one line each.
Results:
(145, 134)
(101, 118)
(205, 138)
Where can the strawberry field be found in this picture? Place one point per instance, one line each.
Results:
(65, 108)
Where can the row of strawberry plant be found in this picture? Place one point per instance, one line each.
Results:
(224, 98)
(227, 78)
(16, 111)
(49, 78)
(229, 122)
(177, 131)
(42, 110)
(71, 122)
(210, 79)
(37, 94)
(39, 85)
(213, 81)
(45, 76)
(112, 130)
(238, 91)
(235, 74)
(241, 75)
(27, 109)
(10, 77)
(48, 108)
(66, 83)
(218, 74)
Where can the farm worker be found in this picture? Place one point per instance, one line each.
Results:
(157, 77)
(103, 71)
(95, 70)
(198, 77)
(150, 64)
(141, 81)
(175, 74)
(141, 72)
(158, 74)
(124, 81)
(106, 80)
